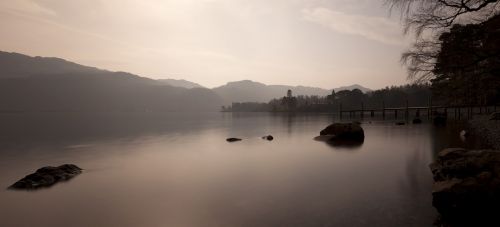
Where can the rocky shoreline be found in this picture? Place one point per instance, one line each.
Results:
(466, 189)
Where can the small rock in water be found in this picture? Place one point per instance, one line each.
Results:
(269, 137)
(47, 176)
(400, 123)
(233, 139)
(417, 121)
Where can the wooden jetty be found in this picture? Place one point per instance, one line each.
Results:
(458, 112)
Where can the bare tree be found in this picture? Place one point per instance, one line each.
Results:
(428, 19)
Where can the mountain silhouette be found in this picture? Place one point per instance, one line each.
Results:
(250, 91)
(53, 84)
(180, 83)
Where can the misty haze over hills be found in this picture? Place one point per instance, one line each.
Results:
(54, 84)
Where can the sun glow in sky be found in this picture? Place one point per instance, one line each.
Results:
(323, 43)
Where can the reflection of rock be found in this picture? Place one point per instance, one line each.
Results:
(467, 185)
(417, 121)
(47, 176)
(332, 141)
(233, 139)
(269, 137)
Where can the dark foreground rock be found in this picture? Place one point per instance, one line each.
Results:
(233, 139)
(47, 176)
(344, 132)
(269, 137)
(466, 189)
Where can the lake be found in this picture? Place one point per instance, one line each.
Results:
(176, 169)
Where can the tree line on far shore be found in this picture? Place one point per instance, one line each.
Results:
(394, 96)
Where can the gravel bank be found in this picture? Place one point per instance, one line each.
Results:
(487, 130)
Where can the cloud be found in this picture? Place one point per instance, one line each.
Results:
(374, 28)
(26, 7)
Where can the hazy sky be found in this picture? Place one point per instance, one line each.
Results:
(324, 43)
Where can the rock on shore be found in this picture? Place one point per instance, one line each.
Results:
(47, 176)
(467, 185)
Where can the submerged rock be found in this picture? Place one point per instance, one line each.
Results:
(344, 132)
(47, 176)
(233, 139)
(269, 137)
(467, 185)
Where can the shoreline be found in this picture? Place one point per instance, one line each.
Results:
(486, 130)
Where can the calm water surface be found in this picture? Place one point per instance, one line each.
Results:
(177, 170)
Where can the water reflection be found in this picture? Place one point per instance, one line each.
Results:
(177, 169)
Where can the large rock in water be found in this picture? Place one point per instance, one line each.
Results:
(466, 186)
(344, 131)
(47, 176)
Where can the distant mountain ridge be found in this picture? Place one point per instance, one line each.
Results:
(53, 84)
(180, 83)
(250, 91)
(352, 87)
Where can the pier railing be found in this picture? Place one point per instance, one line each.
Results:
(458, 112)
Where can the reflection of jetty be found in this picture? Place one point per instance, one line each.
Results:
(458, 112)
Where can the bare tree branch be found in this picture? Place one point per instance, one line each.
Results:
(432, 18)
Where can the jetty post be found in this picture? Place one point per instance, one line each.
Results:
(407, 112)
(429, 110)
(362, 110)
(340, 110)
(383, 110)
